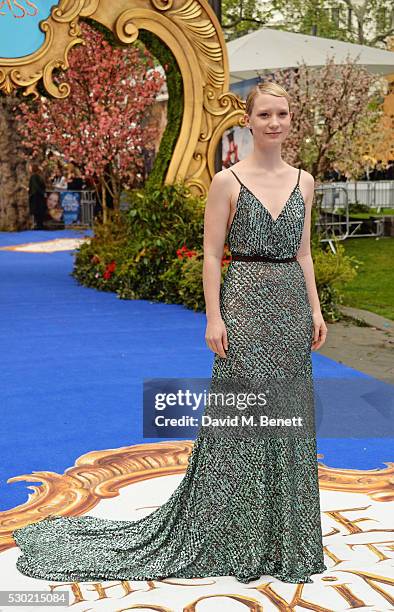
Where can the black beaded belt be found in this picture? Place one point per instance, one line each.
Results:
(240, 257)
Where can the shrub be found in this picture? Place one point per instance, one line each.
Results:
(142, 242)
(184, 277)
(332, 271)
(154, 252)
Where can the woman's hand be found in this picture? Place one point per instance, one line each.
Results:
(319, 330)
(216, 336)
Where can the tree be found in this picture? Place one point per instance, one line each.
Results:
(240, 18)
(14, 209)
(366, 22)
(338, 117)
(101, 126)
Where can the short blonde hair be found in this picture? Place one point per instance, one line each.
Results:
(265, 87)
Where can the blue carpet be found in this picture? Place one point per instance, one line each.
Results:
(73, 360)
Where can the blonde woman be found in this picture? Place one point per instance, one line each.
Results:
(264, 321)
(248, 505)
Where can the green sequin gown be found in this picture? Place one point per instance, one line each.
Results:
(244, 508)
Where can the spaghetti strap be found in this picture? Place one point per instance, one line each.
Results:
(299, 173)
(236, 177)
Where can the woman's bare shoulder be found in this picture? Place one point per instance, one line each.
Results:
(307, 185)
(222, 184)
(223, 177)
(306, 177)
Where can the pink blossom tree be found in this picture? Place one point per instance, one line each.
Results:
(101, 126)
(339, 121)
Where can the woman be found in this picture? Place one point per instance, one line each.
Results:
(59, 180)
(245, 507)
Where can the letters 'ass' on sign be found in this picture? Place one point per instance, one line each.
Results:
(20, 32)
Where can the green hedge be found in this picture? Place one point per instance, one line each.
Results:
(131, 253)
(154, 251)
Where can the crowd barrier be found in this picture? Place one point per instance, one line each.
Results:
(335, 199)
(71, 207)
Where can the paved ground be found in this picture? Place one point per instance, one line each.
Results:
(363, 340)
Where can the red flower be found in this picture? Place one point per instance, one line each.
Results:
(226, 259)
(110, 268)
(185, 252)
(181, 251)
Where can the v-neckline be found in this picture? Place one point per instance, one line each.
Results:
(263, 205)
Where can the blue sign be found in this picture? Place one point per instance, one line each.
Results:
(71, 204)
(20, 33)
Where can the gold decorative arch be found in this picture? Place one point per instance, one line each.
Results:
(191, 31)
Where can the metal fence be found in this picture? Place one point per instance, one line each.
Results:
(88, 204)
(334, 201)
(374, 194)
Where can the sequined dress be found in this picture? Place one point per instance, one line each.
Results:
(244, 508)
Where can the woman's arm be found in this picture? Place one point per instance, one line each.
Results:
(216, 216)
(304, 258)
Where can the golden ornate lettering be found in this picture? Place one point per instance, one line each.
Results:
(332, 556)
(288, 606)
(344, 591)
(102, 590)
(372, 546)
(75, 589)
(248, 602)
(349, 524)
(370, 579)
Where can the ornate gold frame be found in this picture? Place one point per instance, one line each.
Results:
(101, 474)
(192, 32)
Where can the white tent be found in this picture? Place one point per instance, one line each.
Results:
(268, 49)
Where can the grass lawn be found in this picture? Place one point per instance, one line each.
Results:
(371, 213)
(373, 287)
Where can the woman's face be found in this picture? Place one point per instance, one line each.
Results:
(270, 119)
(53, 201)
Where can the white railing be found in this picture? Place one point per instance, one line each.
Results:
(335, 199)
(374, 194)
